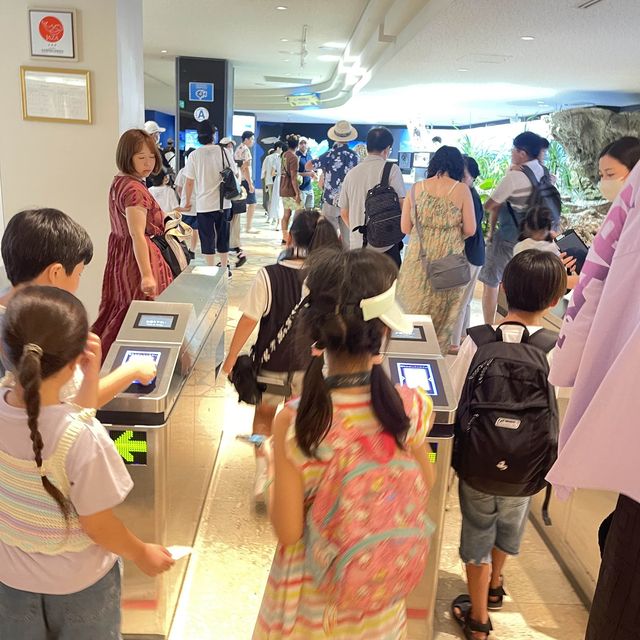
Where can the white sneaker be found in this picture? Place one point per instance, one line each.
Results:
(260, 480)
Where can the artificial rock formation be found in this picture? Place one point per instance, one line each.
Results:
(585, 132)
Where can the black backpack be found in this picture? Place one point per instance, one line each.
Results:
(545, 194)
(506, 432)
(382, 214)
(230, 187)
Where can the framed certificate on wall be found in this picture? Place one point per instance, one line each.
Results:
(56, 95)
(52, 33)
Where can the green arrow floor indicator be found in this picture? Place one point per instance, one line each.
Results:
(127, 446)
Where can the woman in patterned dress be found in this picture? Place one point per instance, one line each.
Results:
(446, 215)
(135, 268)
(356, 394)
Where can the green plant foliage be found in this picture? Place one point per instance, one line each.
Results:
(317, 194)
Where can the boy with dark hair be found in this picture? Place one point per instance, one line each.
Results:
(495, 504)
(46, 247)
(506, 206)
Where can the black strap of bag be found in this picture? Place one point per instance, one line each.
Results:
(386, 172)
(224, 162)
(246, 366)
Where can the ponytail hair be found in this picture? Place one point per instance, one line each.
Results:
(311, 231)
(537, 218)
(337, 282)
(45, 329)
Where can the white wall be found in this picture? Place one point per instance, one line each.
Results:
(67, 166)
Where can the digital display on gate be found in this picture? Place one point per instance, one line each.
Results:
(417, 375)
(418, 372)
(416, 335)
(156, 321)
(132, 355)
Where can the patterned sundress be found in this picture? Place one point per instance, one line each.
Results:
(441, 226)
(122, 281)
(292, 607)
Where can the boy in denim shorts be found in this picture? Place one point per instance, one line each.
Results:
(492, 526)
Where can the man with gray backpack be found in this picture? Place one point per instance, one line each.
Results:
(526, 184)
(506, 431)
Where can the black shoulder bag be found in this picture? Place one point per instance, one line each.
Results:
(244, 375)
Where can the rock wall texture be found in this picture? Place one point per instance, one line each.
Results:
(585, 132)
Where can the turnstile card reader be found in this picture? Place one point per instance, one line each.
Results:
(158, 336)
(422, 340)
(167, 432)
(414, 360)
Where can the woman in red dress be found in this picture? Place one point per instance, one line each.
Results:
(135, 268)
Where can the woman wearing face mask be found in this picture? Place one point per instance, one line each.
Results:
(597, 355)
(615, 163)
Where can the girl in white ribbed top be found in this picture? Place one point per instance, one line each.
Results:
(60, 478)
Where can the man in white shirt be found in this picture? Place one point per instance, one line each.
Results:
(243, 155)
(508, 205)
(213, 210)
(363, 177)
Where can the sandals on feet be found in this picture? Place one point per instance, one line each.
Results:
(470, 627)
(495, 596)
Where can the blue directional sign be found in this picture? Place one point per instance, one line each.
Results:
(201, 91)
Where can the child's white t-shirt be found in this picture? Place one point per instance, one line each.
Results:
(540, 245)
(98, 479)
(460, 366)
(165, 196)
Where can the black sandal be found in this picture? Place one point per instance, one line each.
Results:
(468, 625)
(497, 594)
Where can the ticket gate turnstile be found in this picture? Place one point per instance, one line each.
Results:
(414, 359)
(168, 432)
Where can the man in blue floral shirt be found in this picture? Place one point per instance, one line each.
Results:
(335, 164)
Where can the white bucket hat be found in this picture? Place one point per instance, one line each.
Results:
(342, 131)
(151, 127)
(226, 140)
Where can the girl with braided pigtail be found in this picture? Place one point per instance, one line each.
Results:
(349, 412)
(60, 478)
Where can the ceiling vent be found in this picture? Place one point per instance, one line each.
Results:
(587, 4)
(287, 80)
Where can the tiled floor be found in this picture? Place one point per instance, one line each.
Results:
(234, 546)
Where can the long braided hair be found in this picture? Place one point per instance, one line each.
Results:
(44, 330)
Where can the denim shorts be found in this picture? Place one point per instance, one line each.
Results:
(90, 614)
(499, 252)
(306, 199)
(490, 521)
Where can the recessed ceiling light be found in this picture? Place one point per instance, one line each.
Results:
(281, 7)
(164, 51)
(284, 39)
(286, 60)
(463, 70)
(527, 38)
(333, 45)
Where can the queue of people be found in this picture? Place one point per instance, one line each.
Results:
(324, 312)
